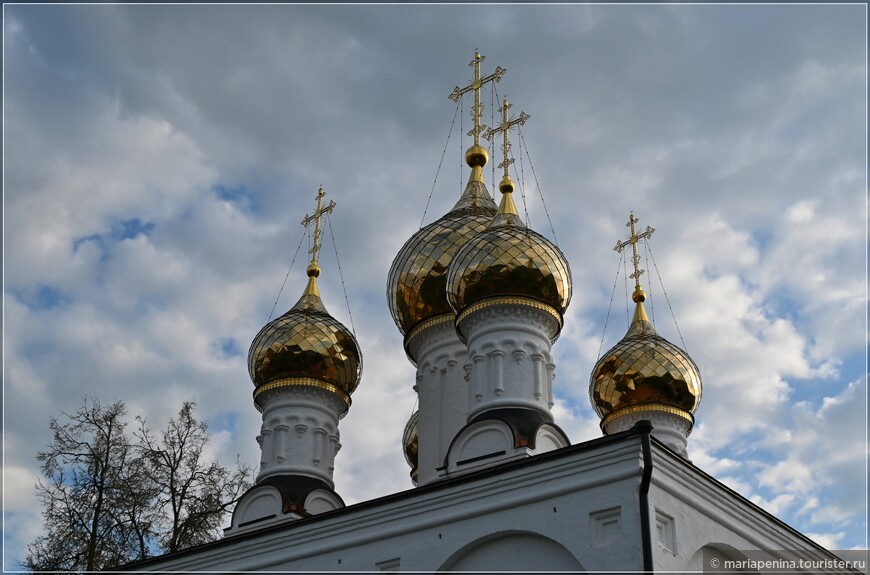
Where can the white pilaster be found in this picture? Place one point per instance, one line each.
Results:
(442, 389)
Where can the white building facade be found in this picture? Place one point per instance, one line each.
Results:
(624, 502)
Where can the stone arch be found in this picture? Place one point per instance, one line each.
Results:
(721, 552)
(259, 504)
(549, 437)
(513, 551)
(481, 439)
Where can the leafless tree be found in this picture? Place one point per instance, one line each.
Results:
(93, 494)
(109, 500)
(194, 493)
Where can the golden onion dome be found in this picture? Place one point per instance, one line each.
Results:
(644, 372)
(417, 282)
(305, 347)
(509, 259)
(410, 441)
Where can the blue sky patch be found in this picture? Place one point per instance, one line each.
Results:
(43, 297)
(122, 230)
(237, 195)
(226, 420)
(77, 243)
(228, 347)
(128, 229)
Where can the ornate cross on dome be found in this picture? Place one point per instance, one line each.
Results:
(633, 239)
(505, 126)
(477, 110)
(318, 214)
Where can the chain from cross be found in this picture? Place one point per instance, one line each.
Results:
(504, 127)
(318, 214)
(632, 240)
(476, 84)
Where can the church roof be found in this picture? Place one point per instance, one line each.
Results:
(668, 467)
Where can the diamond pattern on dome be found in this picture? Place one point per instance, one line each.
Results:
(507, 260)
(643, 369)
(410, 439)
(305, 343)
(417, 283)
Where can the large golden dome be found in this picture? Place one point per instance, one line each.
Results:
(417, 283)
(305, 347)
(644, 372)
(509, 259)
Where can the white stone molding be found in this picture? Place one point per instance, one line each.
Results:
(478, 442)
(549, 438)
(257, 508)
(500, 553)
(321, 501)
(300, 432)
(511, 368)
(263, 505)
(669, 428)
(490, 441)
(605, 526)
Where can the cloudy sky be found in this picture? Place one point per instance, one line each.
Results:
(158, 161)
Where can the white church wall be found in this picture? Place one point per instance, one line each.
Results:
(580, 503)
(691, 512)
(519, 551)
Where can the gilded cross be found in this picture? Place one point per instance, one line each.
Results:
(633, 239)
(504, 127)
(477, 110)
(318, 214)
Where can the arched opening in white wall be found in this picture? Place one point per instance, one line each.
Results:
(513, 551)
(713, 556)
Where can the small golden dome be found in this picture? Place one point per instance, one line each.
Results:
(410, 440)
(644, 371)
(417, 283)
(476, 156)
(306, 346)
(509, 259)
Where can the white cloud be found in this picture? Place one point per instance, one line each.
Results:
(827, 540)
(813, 469)
(22, 513)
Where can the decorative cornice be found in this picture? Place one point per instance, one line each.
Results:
(285, 382)
(647, 407)
(426, 324)
(519, 301)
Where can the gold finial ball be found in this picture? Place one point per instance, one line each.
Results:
(313, 270)
(506, 186)
(638, 296)
(476, 156)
